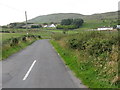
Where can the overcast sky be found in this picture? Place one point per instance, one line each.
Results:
(13, 10)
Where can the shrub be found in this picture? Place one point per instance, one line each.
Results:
(24, 38)
(95, 43)
(36, 26)
(39, 36)
(73, 43)
(14, 41)
(98, 47)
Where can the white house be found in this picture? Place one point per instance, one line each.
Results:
(52, 25)
(104, 28)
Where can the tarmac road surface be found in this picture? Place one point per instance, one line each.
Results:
(37, 66)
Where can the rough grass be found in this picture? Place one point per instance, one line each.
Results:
(42, 33)
(95, 71)
(14, 44)
(6, 36)
(7, 50)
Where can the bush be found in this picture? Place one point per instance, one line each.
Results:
(95, 43)
(73, 43)
(36, 26)
(5, 31)
(14, 42)
(39, 36)
(96, 47)
(24, 38)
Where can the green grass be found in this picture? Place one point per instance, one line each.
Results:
(8, 51)
(6, 36)
(61, 31)
(43, 34)
(94, 24)
(87, 74)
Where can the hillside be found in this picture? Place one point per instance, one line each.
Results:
(59, 16)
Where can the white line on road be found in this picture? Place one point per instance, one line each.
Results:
(26, 75)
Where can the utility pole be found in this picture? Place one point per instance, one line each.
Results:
(26, 20)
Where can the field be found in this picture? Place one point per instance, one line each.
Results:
(6, 36)
(94, 24)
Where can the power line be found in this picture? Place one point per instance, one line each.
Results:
(13, 8)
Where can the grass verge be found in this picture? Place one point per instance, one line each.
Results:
(13, 45)
(7, 51)
(85, 71)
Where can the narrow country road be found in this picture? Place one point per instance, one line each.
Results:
(37, 66)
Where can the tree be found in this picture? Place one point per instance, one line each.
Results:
(70, 24)
(66, 21)
(45, 23)
(51, 22)
(36, 26)
(78, 22)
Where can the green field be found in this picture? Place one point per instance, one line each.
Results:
(44, 33)
(6, 36)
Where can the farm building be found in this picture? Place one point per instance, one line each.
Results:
(118, 26)
(32, 26)
(105, 28)
(45, 26)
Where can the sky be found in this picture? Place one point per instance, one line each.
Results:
(14, 10)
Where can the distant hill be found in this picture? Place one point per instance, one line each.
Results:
(59, 16)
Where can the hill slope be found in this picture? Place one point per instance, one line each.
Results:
(59, 16)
